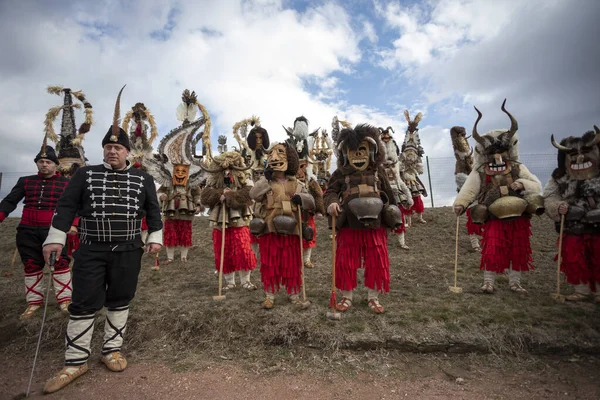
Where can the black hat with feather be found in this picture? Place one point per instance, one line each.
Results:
(115, 133)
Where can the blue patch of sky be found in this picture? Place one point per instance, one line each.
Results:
(96, 30)
(165, 32)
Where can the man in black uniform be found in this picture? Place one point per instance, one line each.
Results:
(41, 193)
(111, 200)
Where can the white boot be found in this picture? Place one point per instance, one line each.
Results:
(229, 281)
(306, 258)
(582, 292)
(475, 242)
(420, 218)
(170, 254)
(61, 281)
(79, 339)
(114, 330)
(402, 242)
(184, 253)
(35, 288)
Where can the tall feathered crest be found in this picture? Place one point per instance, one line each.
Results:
(68, 132)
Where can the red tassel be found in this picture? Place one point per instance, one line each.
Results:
(332, 300)
(138, 130)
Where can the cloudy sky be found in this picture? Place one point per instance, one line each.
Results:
(363, 60)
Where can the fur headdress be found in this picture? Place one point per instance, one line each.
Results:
(589, 140)
(496, 140)
(351, 138)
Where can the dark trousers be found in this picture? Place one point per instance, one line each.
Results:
(103, 278)
(29, 243)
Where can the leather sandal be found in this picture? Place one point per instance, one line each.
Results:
(228, 286)
(487, 288)
(168, 261)
(344, 304)
(309, 265)
(63, 378)
(576, 296)
(249, 286)
(375, 306)
(517, 288)
(115, 361)
(64, 307)
(184, 259)
(30, 311)
(267, 304)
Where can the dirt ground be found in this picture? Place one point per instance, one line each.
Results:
(407, 376)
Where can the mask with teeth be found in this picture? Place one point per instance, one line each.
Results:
(181, 174)
(301, 175)
(579, 157)
(359, 158)
(277, 158)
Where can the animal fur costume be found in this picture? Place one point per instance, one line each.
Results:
(228, 184)
(411, 166)
(463, 153)
(402, 193)
(501, 185)
(303, 142)
(136, 122)
(360, 188)
(254, 146)
(177, 169)
(322, 152)
(278, 194)
(575, 184)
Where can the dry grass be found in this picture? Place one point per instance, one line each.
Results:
(175, 317)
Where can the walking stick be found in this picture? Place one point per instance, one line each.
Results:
(305, 303)
(333, 314)
(37, 349)
(12, 265)
(557, 296)
(455, 289)
(221, 296)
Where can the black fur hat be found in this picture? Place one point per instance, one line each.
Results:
(122, 139)
(48, 153)
(252, 138)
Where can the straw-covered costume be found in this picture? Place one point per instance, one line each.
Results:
(321, 152)
(228, 190)
(177, 169)
(402, 194)
(278, 195)
(111, 204)
(303, 142)
(507, 195)
(574, 191)
(360, 194)
(411, 166)
(463, 153)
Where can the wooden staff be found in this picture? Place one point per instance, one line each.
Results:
(333, 314)
(557, 296)
(305, 303)
(455, 289)
(220, 296)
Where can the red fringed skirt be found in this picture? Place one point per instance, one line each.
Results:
(473, 228)
(402, 228)
(238, 254)
(358, 248)
(418, 206)
(280, 262)
(580, 258)
(505, 242)
(177, 232)
(312, 243)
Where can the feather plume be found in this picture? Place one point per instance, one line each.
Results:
(44, 144)
(116, 116)
(55, 89)
(407, 116)
(127, 120)
(418, 118)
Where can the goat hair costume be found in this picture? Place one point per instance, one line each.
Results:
(504, 211)
(576, 182)
(278, 195)
(362, 190)
(227, 178)
(411, 163)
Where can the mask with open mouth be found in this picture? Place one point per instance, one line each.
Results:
(301, 175)
(579, 157)
(181, 174)
(277, 159)
(359, 158)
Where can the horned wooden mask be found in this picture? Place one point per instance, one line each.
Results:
(181, 174)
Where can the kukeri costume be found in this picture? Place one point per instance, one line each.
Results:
(177, 170)
(574, 191)
(322, 152)
(360, 189)
(227, 185)
(507, 195)
(402, 193)
(411, 166)
(136, 122)
(278, 195)
(464, 165)
(111, 204)
(303, 142)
